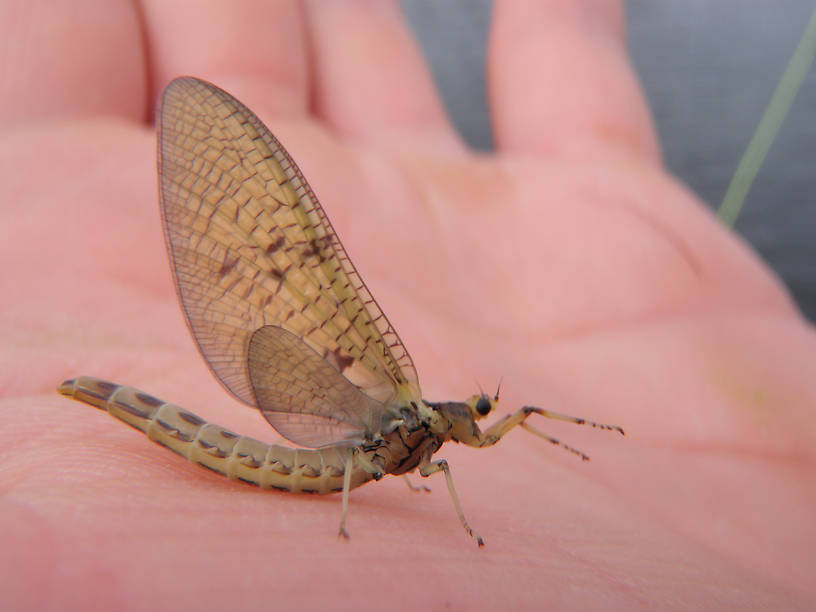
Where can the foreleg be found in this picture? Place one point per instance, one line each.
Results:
(496, 431)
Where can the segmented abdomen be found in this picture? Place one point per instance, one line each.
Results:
(269, 466)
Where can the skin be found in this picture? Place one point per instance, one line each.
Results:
(567, 262)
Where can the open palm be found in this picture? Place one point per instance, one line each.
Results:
(567, 263)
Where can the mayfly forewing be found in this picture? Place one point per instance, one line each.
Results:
(251, 247)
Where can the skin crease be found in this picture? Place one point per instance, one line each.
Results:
(567, 262)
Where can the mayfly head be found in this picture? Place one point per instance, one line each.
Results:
(481, 405)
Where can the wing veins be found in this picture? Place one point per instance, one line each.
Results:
(223, 219)
(239, 214)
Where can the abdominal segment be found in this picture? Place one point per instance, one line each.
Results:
(270, 466)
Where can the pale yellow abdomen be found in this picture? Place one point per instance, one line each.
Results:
(269, 466)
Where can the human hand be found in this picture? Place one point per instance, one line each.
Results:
(568, 262)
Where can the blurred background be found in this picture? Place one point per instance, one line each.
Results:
(708, 70)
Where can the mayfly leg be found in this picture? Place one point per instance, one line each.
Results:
(429, 468)
(496, 431)
(526, 426)
(367, 466)
(413, 487)
(346, 488)
(527, 410)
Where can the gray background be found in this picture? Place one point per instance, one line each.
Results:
(709, 70)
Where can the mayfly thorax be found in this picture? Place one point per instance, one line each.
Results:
(284, 322)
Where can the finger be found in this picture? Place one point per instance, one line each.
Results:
(71, 59)
(559, 80)
(256, 49)
(371, 82)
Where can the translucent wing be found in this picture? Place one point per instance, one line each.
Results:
(306, 398)
(251, 247)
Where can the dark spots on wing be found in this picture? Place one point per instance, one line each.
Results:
(227, 434)
(314, 249)
(275, 246)
(278, 275)
(343, 361)
(148, 399)
(227, 266)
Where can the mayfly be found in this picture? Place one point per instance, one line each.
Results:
(284, 322)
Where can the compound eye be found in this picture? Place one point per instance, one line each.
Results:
(483, 406)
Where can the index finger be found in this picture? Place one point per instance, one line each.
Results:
(256, 49)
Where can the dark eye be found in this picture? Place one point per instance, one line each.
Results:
(483, 405)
